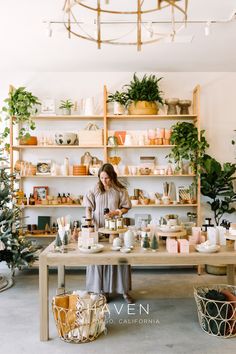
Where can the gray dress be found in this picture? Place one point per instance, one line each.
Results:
(107, 278)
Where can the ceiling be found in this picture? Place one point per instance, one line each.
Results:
(25, 45)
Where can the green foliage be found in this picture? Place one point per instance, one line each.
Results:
(217, 185)
(120, 97)
(145, 89)
(15, 250)
(67, 104)
(154, 243)
(188, 145)
(20, 105)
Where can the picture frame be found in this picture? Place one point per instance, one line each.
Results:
(48, 107)
(40, 193)
(43, 167)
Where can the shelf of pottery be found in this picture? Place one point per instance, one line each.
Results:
(137, 146)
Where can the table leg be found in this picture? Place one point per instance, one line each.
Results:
(230, 274)
(43, 299)
(60, 279)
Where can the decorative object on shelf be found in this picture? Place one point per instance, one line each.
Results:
(120, 135)
(48, 107)
(65, 106)
(112, 140)
(43, 167)
(66, 138)
(188, 145)
(184, 106)
(40, 193)
(79, 170)
(32, 140)
(91, 135)
(88, 106)
(217, 184)
(172, 105)
(143, 95)
(134, 23)
(20, 106)
(119, 99)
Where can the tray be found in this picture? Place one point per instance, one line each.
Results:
(99, 248)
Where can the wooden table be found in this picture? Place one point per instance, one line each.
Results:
(107, 257)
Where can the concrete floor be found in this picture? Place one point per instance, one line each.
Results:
(172, 326)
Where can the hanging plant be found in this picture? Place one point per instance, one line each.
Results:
(20, 105)
(187, 145)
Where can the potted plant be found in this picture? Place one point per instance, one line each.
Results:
(187, 145)
(20, 105)
(217, 185)
(143, 95)
(119, 99)
(65, 106)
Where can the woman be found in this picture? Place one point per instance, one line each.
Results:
(108, 193)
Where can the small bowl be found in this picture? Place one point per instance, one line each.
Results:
(144, 201)
(134, 202)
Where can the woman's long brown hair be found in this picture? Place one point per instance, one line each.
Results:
(109, 169)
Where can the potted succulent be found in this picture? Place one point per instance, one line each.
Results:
(65, 106)
(21, 105)
(143, 95)
(119, 99)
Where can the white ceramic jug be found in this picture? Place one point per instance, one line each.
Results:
(129, 239)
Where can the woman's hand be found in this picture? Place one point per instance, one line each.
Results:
(113, 213)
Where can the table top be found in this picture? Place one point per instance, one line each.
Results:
(137, 256)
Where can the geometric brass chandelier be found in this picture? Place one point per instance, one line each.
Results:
(124, 22)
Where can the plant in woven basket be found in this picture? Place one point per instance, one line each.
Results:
(20, 105)
(143, 95)
(15, 250)
(187, 145)
(217, 184)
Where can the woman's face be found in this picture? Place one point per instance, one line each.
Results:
(105, 179)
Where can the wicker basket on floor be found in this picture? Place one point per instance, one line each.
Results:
(77, 321)
(217, 318)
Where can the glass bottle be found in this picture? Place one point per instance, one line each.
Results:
(63, 198)
(58, 198)
(119, 223)
(31, 199)
(112, 224)
(24, 200)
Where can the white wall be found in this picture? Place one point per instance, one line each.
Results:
(217, 102)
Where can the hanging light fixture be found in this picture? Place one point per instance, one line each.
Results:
(111, 30)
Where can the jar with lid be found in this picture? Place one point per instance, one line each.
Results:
(107, 223)
(119, 223)
(112, 224)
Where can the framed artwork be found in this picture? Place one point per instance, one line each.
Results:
(48, 107)
(40, 193)
(43, 167)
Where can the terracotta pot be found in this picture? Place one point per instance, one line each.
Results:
(143, 108)
(32, 140)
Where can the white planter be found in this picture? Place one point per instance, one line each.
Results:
(129, 239)
(118, 108)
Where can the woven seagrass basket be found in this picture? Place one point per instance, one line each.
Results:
(76, 322)
(217, 318)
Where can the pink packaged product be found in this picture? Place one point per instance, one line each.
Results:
(183, 246)
(196, 236)
(171, 245)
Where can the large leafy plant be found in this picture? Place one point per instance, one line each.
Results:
(20, 105)
(217, 185)
(145, 89)
(188, 145)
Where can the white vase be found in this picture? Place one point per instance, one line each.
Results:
(89, 107)
(118, 108)
(129, 239)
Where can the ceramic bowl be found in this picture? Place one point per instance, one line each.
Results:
(93, 170)
(134, 202)
(66, 138)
